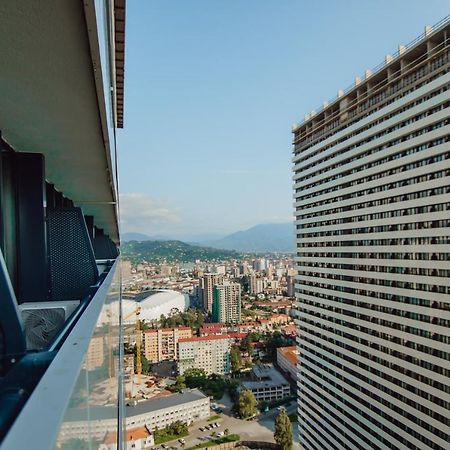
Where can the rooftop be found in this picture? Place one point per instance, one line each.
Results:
(204, 338)
(290, 353)
(143, 407)
(270, 377)
(132, 435)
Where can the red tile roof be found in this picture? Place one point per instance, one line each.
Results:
(132, 435)
(204, 338)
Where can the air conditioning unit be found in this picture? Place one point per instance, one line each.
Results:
(43, 321)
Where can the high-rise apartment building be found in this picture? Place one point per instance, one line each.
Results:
(372, 184)
(227, 303)
(210, 353)
(207, 283)
(161, 344)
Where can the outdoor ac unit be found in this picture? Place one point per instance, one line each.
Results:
(43, 320)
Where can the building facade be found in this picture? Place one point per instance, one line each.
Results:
(161, 344)
(227, 303)
(210, 353)
(188, 407)
(287, 360)
(207, 283)
(372, 184)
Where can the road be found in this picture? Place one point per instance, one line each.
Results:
(257, 430)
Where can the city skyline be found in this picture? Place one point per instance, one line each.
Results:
(213, 89)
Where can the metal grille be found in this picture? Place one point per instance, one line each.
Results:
(72, 263)
(104, 248)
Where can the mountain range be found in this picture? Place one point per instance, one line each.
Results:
(275, 237)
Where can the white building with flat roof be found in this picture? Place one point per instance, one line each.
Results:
(210, 353)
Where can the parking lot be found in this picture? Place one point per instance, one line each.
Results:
(259, 430)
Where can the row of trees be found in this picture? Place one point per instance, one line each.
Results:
(193, 318)
(213, 385)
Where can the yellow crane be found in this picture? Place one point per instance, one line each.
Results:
(137, 311)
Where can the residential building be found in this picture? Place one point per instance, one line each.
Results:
(372, 184)
(212, 328)
(161, 344)
(189, 406)
(207, 283)
(287, 360)
(210, 353)
(267, 384)
(135, 439)
(227, 303)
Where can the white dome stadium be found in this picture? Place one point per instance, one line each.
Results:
(155, 304)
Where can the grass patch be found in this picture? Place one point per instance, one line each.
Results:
(213, 418)
(293, 418)
(168, 437)
(222, 440)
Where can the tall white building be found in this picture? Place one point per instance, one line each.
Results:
(372, 184)
(210, 353)
(227, 303)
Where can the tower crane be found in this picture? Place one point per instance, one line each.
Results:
(137, 311)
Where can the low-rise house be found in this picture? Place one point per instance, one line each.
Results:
(136, 439)
(287, 360)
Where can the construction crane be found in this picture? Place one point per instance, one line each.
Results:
(137, 311)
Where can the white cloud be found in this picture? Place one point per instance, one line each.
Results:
(144, 214)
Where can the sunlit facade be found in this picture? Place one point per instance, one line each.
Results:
(372, 206)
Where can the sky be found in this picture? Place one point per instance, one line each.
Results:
(212, 89)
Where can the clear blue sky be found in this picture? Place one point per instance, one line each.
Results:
(212, 90)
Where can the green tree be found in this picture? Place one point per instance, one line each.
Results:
(179, 384)
(247, 404)
(235, 359)
(283, 431)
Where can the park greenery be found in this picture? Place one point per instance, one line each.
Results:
(218, 441)
(212, 385)
(283, 431)
(271, 342)
(235, 359)
(192, 318)
(173, 431)
(246, 406)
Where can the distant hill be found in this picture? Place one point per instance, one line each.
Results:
(173, 251)
(126, 237)
(274, 237)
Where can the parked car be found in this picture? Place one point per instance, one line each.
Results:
(217, 424)
(181, 441)
(164, 446)
(220, 434)
(202, 428)
(219, 410)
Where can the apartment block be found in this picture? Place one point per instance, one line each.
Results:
(372, 185)
(161, 344)
(227, 303)
(210, 353)
(207, 283)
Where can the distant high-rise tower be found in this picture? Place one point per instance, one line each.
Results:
(207, 283)
(227, 303)
(372, 199)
